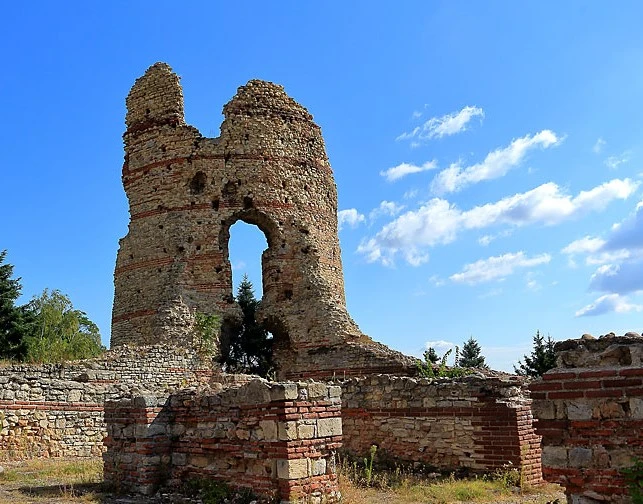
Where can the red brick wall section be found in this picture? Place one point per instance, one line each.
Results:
(278, 439)
(477, 423)
(590, 415)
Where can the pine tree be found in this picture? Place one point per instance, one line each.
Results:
(542, 359)
(14, 320)
(431, 356)
(250, 347)
(471, 355)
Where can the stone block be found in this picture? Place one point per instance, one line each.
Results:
(580, 457)
(284, 392)
(305, 431)
(329, 427)
(554, 456)
(636, 407)
(269, 428)
(287, 431)
(292, 469)
(317, 391)
(578, 410)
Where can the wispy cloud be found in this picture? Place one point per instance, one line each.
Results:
(495, 165)
(438, 222)
(404, 169)
(446, 125)
(613, 162)
(350, 217)
(385, 208)
(497, 267)
(599, 145)
(607, 304)
(440, 346)
(584, 245)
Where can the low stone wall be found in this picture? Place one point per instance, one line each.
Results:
(590, 416)
(55, 410)
(276, 438)
(474, 422)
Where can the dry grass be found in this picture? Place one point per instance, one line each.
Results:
(60, 481)
(52, 480)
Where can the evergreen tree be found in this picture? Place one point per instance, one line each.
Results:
(14, 320)
(542, 359)
(60, 332)
(431, 356)
(250, 347)
(471, 355)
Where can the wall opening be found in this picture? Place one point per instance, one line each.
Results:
(248, 346)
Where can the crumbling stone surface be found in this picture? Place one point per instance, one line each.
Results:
(589, 413)
(268, 168)
(279, 439)
(477, 423)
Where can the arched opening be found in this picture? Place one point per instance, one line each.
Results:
(246, 344)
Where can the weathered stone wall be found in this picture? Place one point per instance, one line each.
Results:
(278, 439)
(473, 422)
(268, 168)
(56, 410)
(589, 413)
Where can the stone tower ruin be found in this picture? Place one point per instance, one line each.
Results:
(269, 168)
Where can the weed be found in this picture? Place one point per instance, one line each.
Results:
(634, 477)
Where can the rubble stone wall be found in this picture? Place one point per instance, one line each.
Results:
(268, 168)
(589, 412)
(55, 410)
(472, 422)
(278, 439)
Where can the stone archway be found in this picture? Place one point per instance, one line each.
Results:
(268, 167)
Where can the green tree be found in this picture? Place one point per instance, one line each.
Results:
(430, 355)
(542, 359)
(471, 355)
(60, 332)
(15, 321)
(250, 347)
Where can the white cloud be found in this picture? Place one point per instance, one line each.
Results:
(351, 217)
(440, 346)
(495, 165)
(532, 283)
(238, 265)
(620, 278)
(497, 267)
(447, 125)
(598, 146)
(584, 245)
(487, 239)
(613, 162)
(386, 208)
(436, 281)
(404, 169)
(438, 222)
(607, 304)
(627, 234)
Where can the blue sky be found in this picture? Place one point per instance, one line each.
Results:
(487, 154)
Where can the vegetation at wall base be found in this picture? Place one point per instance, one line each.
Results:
(634, 477)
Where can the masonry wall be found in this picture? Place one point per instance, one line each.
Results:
(473, 422)
(278, 439)
(590, 415)
(56, 410)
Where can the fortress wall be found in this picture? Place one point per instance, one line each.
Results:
(477, 423)
(56, 410)
(590, 416)
(277, 439)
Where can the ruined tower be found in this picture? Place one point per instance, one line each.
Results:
(269, 168)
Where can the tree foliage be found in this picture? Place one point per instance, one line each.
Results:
(471, 355)
(60, 332)
(15, 320)
(250, 347)
(541, 360)
(431, 356)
